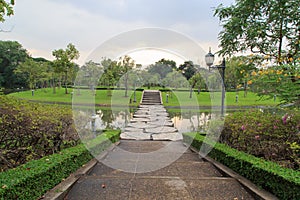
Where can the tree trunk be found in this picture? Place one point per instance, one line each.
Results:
(66, 81)
(280, 43)
(54, 86)
(126, 85)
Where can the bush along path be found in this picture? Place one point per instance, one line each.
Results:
(33, 179)
(274, 137)
(30, 131)
(282, 182)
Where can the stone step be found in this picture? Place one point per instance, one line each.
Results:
(151, 97)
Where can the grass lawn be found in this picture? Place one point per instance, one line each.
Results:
(102, 97)
(117, 97)
(214, 99)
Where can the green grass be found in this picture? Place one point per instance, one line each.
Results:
(117, 97)
(182, 98)
(102, 97)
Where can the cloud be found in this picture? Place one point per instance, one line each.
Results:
(42, 26)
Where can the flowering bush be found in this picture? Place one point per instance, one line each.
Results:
(263, 134)
(282, 81)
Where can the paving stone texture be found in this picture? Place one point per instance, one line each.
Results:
(155, 170)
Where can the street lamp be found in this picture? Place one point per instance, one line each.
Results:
(209, 59)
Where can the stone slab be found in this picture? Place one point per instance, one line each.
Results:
(167, 136)
(161, 123)
(140, 120)
(135, 136)
(160, 130)
(141, 125)
(141, 116)
(133, 129)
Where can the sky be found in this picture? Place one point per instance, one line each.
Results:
(42, 26)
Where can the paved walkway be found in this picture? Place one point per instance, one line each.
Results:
(131, 175)
(152, 163)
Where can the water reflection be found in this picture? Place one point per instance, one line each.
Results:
(187, 121)
(191, 121)
(112, 119)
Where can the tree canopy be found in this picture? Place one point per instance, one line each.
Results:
(11, 55)
(187, 69)
(271, 28)
(6, 9)
(64, 60)
(162, 67)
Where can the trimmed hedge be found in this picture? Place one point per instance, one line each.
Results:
(282, 182)
(33, 179)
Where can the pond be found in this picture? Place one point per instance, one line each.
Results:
(186, 121)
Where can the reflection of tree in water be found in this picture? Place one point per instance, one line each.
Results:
(114, 118)
(107, 116)
(173, 114)
(191, 120)
(199, 120)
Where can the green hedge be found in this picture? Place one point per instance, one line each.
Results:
(282, 182)
(33, 179)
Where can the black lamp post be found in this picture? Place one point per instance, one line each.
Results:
(209, 59)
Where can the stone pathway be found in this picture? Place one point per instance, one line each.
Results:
(151, 121)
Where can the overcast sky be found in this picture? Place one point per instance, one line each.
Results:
(44, 25)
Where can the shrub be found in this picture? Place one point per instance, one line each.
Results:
(263, 134)
(33, 179)
(282, 182)
(30, 131)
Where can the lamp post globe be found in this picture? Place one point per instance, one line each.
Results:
(209, 58)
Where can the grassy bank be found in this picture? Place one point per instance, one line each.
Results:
(182, 98)
(102, 97)
(117, 97)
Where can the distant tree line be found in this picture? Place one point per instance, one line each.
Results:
(19, 70)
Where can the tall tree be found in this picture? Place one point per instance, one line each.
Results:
(112, 72)
(11, 55)
(268, 27)
(127, 64)
(36, 71)
(64, 61)
(238, 70)
(187, 69)
(88, 75)
(162, 67)
(175, 80)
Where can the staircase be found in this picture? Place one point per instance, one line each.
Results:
(151, 97)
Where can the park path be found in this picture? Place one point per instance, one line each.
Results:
(151, 121)
(151, 162)
(129, 171)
